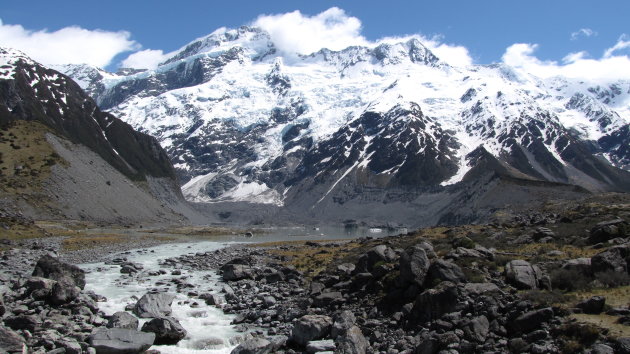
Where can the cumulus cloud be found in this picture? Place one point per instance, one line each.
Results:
(583, 32)
(575, 65)
(294, 32)
(144, 59)
(69, 45)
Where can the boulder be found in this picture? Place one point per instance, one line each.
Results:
(615, 259)
(122, 319)
(378, 254)
(352, 342)
(522, 275)
(51, 268)
(254, 346)
(414, 265)
(543, 232)
(441, 270)
(317, 346)
(328, 298)
(599, 348)
(623, 345)
(11, 342)
(167, 330)
(154, 305)
(580, 265)
(120, 341)
(431, 304)
(607, 230)
(63, 292)
(593, 305)
(531, 320)
(20, 322)
(310, 327)
(39, 285)
(343, 322)
(477, 289)
(237, 272)
(477, 329)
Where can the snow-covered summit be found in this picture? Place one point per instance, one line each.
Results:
(243, 121)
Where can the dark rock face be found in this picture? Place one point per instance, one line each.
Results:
(154, 305)
(121, 341)
(124, 320)
(310, 327)
(51, 268)
(167, 330)
(608, 230)
(59, 103)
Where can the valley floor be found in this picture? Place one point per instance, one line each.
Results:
(549, 280)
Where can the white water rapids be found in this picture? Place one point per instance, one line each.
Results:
(209, 329)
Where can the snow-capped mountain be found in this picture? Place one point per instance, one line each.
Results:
(242, 121)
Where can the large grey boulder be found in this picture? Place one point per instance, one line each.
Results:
(121, 341)
(237, 272)
(154, 305)
(11, 342)
(63, 292)
(310, 327)
(51, 268)
(414, 265)
(615, 259)
(254, 346)
(343, 322)
(167, 330)
(441, 270)
(522, 274)
(122, 319)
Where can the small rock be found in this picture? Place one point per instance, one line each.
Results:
(254, 346)
(593, 305)
(316, 346)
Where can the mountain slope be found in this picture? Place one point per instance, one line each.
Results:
(243, 122)
(102, 169)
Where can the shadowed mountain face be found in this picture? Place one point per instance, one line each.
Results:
(36, 93)
(70, 160)
(242, 122)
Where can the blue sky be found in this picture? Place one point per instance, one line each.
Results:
(552, 29)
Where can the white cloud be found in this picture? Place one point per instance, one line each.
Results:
(622, 43)
(294, 32)
(69, 45)
(583, 32)
(145, 59)
(575, 65)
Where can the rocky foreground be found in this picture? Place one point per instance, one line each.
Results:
(550, 281)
